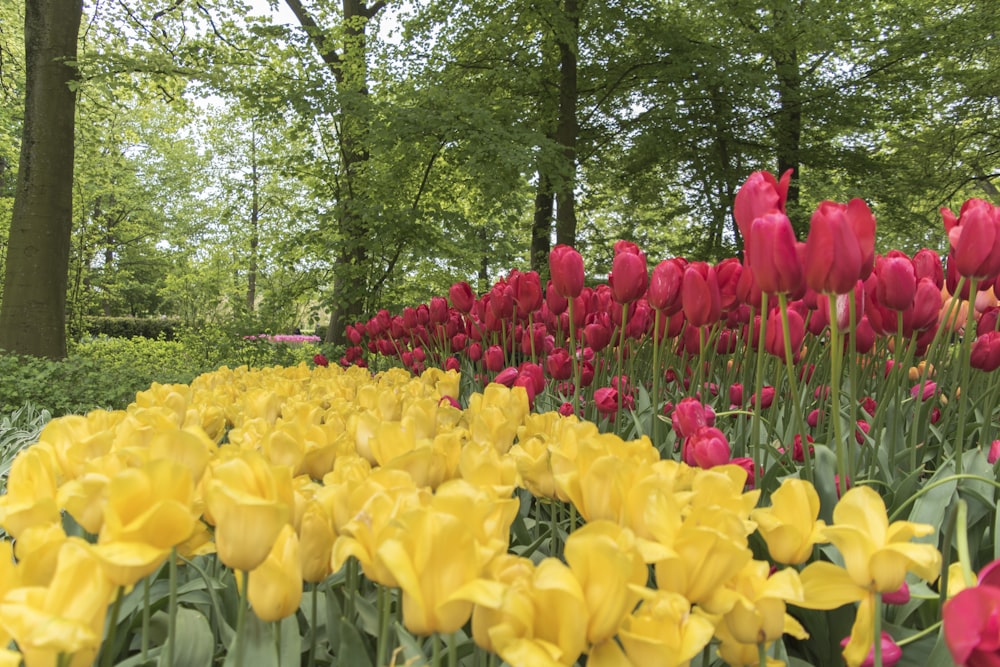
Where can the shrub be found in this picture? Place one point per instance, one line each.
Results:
(130, 327)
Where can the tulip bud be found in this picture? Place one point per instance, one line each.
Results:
(664, 293)
(773, 257)
(628, 277)
(700, 295)
(974, 237)
(606, 401)
(566, 269)
(706, 448)
(986, 352)
(761, 193)
(897, 282)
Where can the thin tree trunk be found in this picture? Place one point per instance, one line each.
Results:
(33, 312)
(568, 128)
(254, 223)
(541, 225)
(788, 124)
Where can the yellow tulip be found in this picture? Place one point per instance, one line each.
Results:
(316, 539)
(191, 447)
(275, 587)
(663, 632)
(67, 616)
(31, 490)
(790, 526)
(151, 505)
(758, 611)
(77, 439)
(486, 516)
(85, 498)
(480, 464)
(534, 466)
(604, 558)
(250, 501)
(125, 563)
(37, 551)
(515, 615)
(558, 634)
(877, 554)
(10, 658)
(436, 562)
(495, 415)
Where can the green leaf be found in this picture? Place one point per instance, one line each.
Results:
(195, 642)
(410, 645)
(930, 507)
(259, 648)
(352, 649)
(291, 641)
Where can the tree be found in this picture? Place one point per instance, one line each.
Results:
(32, 314)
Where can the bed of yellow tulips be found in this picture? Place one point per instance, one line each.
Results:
(331, 516)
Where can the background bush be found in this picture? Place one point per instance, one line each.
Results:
(130, 327)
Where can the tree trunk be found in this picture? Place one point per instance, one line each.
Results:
(254, 223)
(541, 225)
(568, 128)
(33, 312)
(788, 124)
(351, 263)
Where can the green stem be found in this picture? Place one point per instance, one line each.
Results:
(621, 363)
(963, 400)
(962, 539)
(435, 650)
(171, 608)
(384, 606)
(794, 387)
(452, 650)
(144, 641)
(241, 618)
(109, 643)
(350, 588)
(574, 360)
(878, 629)
(761, 655)
(836, 349)
(758, 381)
(655, 398)
(313, 613)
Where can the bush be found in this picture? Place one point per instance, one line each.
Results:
(130, 327)
(99, 373)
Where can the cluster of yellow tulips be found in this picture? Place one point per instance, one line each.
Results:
(321, 466)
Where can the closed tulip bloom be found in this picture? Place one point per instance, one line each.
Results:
(790, 526)
(275, 588)
(761, 193)
(927, 264)
(566, 269)
(986, 352)
(597, 335)
(437, 597)
(664, 293)
(494, 358)
(664, 632)
(700, 296)
(606, 401)
(975, 238)
(834, 256)
(773, 257)
(250, 501)
(527, 289)
(774, 341)
(462, 297)
(926, 307)
(629, 277)
(897, 282)
(559, 364)
(707, 448)
(604, 558)
(689, 415)
(316, 538)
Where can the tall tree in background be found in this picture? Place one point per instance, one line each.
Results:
(32, 314)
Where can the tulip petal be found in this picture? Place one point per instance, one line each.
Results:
(827, 586)
(862, 634)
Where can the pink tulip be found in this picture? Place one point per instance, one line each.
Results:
(566, 268)
(986, 352)
(971, 620)
(628, 278)
(700, 295)
(664, 293)
(772, 255)
(761, 193)
(975, 239)
(706, 448)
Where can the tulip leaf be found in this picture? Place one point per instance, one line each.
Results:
(930, 507)
(352, 650)
(291, 641)
(410, 645)
(824, 468)
(367, 614)
(195, 643)
(258, 644)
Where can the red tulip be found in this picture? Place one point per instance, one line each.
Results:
(986, 352)
(864, 336)
(747, 464)
(606, 401)
(761, 193)
(766, 397)
(664, 293)
(559, 364)
(971, 620)
(891, 653)
(689, 415)
(527, 291)
(700, 296)
(506, 377)
(452, 364)
(994, 452)
(628, 278)
(494, 358)
(772, 255)
(774, 341)
(927, 264)
(840, 247)
(736, 394)
(897, 282)
(566, 268)
(706, 448)
(556, 302)
(926, 307)
(975, 239)
(321, 360)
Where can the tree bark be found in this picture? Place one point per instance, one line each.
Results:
(568, 127)
(349, 68)
(788, 124)
(541, 225)
(33, 311)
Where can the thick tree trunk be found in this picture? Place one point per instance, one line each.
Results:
(568, 128)
(788, 124)
(351, 263)
(541, 225)
(33, 311)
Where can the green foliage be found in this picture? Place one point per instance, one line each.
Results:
(131, 327)
(19, 429)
